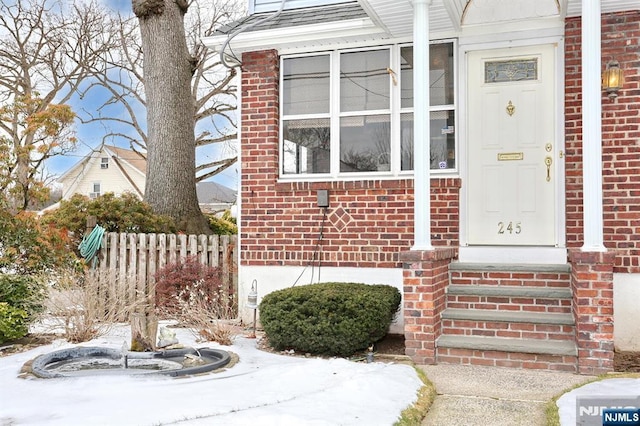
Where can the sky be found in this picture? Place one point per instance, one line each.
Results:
(90, 135)
(263, 389)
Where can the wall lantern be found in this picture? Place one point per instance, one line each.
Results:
(612, 79)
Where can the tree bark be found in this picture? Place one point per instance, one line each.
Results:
(171, 184)
(144, 329)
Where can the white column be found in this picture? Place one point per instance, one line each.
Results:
(592, 127)
(421, 123)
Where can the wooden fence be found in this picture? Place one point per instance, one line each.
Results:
(127, 263)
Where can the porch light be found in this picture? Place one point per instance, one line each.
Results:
(612, 79)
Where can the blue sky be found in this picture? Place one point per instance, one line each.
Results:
(90, 136)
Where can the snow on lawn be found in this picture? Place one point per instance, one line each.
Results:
(261, 389)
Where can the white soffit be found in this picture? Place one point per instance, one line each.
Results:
(299, 36)
(396, 16)
(479, 12)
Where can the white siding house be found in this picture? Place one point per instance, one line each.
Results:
(107, 169)
(118, 170)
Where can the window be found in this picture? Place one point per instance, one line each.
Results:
(96, 190)
(306, 104)
(104, 163)
(365, 114)
(351, 112)
(442, 114)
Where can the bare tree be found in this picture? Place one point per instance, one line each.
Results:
(213, 86)
(168, 69)
(46, 48)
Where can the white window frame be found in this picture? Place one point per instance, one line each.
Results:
(95, 194)
(394, 111)
(104, 162)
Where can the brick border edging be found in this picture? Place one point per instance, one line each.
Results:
(425, 279)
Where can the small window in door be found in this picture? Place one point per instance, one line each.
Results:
(512, 70)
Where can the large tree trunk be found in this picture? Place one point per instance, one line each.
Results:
(171, 185)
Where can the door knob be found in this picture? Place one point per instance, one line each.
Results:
(548, 161)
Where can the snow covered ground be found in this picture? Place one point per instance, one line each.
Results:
(261, 389)
(608, 388)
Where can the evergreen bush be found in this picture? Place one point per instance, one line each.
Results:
(336, 319)
(123, 213)
(225, 225)
(23, 292)
(13, 323)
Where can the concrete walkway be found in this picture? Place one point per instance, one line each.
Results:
(487, 396)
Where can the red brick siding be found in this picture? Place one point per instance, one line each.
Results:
(592, 288)
(425, 279)
(367, 223)
(620, 140)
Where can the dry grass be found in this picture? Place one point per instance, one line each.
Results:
(208, 316)
(83, 310)
(414, 414)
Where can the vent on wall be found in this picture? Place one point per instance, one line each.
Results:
(104, 163)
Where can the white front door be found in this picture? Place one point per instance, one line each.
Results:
(511, 185)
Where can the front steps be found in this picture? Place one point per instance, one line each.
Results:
(508, 315)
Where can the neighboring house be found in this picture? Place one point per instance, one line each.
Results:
(118, 170)
(463, 151)
(106, 169)
(214, 198)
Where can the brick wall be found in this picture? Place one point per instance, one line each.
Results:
(620, 140)
(592, 288)
(425, 279)
(368, 223)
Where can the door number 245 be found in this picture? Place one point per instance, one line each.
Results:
(509, 227)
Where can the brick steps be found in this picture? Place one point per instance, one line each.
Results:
(509, 298)
(508, 315)
(511, 324)
(529, 346)
(513, 353)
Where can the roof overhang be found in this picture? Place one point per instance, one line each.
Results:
(393, 19)
(298, 37)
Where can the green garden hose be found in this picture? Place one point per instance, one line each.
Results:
(91, 243)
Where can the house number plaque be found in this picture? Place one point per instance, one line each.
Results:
(509, 227)
(510, 156)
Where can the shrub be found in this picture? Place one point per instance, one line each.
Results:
(176, 280)
(23, 292)
(125, 213)
(225, 225)
(29, 247)
(328, 318)
(83, 308)
(13, 322)
(195, 294)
